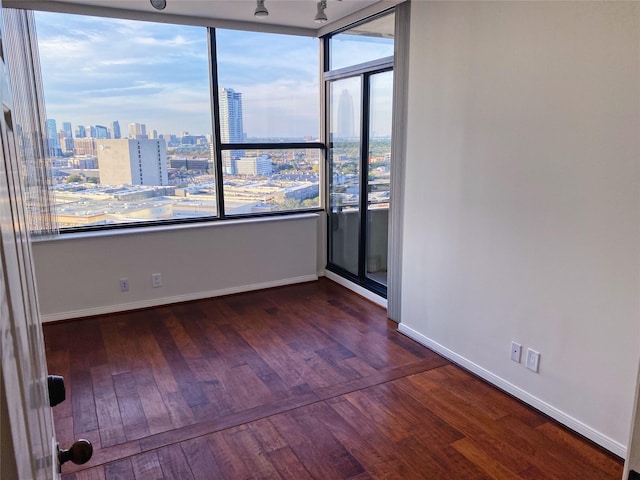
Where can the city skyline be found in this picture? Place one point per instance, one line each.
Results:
(160, 75)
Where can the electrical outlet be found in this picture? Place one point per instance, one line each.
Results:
(156, 280)
(533, 360)
(516, 351)
(124, 284)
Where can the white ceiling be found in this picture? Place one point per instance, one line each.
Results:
(293, 14)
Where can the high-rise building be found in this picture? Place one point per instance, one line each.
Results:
(137, 130)
(66, 143)
(101, 131)
(346, 116)
(133, 162)
(231, 126)
(81, 132)
(115, 129)
(52, 138)
(66, 127)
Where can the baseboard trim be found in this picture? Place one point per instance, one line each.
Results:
(156, 302)
(562, 417)
(363, 292)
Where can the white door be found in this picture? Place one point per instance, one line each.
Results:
(24, 371)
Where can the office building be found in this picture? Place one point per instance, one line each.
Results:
(66, 127)
(101, 132)
(84, 146)
(346, 116)
(115, 129)
(132, 162)
(137, 130)
(52, 138)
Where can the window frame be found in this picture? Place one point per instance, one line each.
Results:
(364, 71)
(218, 145)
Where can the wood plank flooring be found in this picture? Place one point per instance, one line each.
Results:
(301, 382)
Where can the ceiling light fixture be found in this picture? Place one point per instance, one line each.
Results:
(261, 10)
(159, 4)
(321, 17)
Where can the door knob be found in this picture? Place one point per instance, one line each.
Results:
(57, 394)
(79, 453)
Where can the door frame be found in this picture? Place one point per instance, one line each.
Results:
(364, 71)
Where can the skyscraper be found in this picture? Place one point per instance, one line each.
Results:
(81, 132)
(115, 129)
(346, 116)
(52, 138)
(231, 127)
(137, 130)
(66, 127)
(101, 131)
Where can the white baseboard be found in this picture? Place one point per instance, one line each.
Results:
(156, 302)
(363, 292)
(562, 417)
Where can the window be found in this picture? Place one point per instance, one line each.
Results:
(268, 100)
(363, 43)
(129, 121)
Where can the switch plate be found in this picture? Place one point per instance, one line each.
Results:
(124, 284)
(533, 360)
(516, 352)
(156, 280)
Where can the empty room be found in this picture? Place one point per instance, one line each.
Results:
(320, 239)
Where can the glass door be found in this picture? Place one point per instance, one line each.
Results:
(345, 173)
(378, 165)
(358, 74)
(360, 109)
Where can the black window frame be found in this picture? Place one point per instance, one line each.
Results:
(364, 71)
(218, 148)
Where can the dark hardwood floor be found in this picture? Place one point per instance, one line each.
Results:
(302, 382)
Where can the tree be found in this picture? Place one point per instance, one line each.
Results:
(74, 179)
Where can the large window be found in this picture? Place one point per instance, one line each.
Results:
(268, 105)
(129, 121)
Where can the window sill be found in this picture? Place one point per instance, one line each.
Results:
(168, 228)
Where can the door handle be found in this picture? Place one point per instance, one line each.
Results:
(79, 453)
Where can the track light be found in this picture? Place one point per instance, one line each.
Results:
(159, 4)
(261, 10)
(320, 16)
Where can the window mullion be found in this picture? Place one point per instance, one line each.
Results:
(215, 111)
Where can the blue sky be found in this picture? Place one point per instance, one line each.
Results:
(98, 70)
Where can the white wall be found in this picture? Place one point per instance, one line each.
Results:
(522, 200)
(79, 275)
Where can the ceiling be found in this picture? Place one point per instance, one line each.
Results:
(291, 14)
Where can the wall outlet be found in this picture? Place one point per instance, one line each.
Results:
(533, 360)
(124, 284)
(156, 280)
(516, 352)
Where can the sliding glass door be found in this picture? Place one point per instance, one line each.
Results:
(359, 87)
(378, 165)
(345, 175)
(359, 172)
